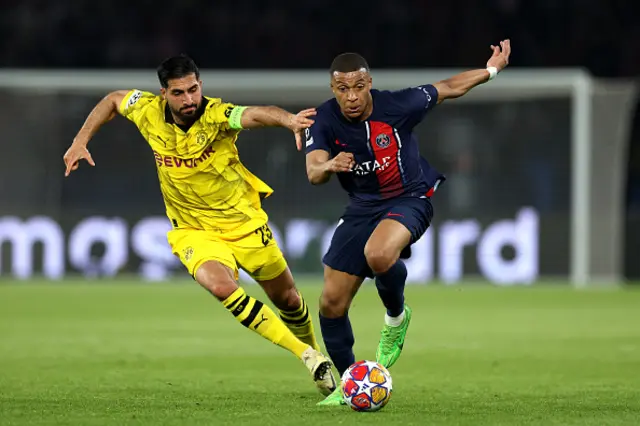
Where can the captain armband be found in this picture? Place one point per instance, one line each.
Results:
(235, 118)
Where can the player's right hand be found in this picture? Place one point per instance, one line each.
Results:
(74, 154)
(343, 162)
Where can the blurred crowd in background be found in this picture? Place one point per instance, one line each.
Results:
(602, 35)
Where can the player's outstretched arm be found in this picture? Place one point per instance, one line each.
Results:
(273, 116)
(460, 84)
(320, 167)
(104, 111)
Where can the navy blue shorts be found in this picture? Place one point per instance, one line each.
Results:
(346, 252)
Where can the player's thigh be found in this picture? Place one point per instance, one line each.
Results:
(259, 255)
(385, 245)
(403, 224)
(338, 292)
(196, 248)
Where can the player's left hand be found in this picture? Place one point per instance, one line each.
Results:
(299, 122)
(500, 57)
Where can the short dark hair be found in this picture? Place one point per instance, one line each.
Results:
(348, 62)
(176, 67)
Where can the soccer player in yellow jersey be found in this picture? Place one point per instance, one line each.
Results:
(214, 202)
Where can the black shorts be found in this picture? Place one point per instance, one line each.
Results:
(346, 252)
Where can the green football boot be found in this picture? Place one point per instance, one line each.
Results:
(392, 341)
(335, 399)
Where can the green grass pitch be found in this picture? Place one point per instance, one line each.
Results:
(146, 354)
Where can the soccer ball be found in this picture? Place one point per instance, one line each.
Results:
(366, 386)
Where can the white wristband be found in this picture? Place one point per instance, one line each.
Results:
(493, 71)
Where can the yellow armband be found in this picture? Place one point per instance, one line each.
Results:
(235, 119)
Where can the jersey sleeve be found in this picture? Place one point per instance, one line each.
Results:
(134, 104)
(226, 115)
(318, 136)
(417, 101)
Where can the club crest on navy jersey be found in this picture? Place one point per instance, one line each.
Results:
(384, 147)
(383, 140)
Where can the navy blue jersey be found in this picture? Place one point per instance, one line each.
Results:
(388, 162)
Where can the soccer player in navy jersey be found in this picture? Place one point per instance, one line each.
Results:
(365, 137)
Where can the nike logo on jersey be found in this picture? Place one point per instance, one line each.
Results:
(340, 143)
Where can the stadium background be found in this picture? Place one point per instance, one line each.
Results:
(499, 158)
(84, 339)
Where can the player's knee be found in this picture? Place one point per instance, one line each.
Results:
(219, 285)
(333, 305)
(380, 260)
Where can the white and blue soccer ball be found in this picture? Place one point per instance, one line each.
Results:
(366, 386)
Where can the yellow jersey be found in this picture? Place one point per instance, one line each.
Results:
(203, 182)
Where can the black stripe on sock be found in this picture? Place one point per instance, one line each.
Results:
(241, 306)
(253, 314)
(295, 312)
(293, 317)
(299, 321)
(233, 304)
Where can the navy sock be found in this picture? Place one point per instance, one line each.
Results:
(338, 339)
(390, 287)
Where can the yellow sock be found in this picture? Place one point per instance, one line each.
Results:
(300, 324)
(258, 317)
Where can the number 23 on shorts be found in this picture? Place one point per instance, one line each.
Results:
(265, 234)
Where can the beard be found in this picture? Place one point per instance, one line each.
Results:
(187, 113)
